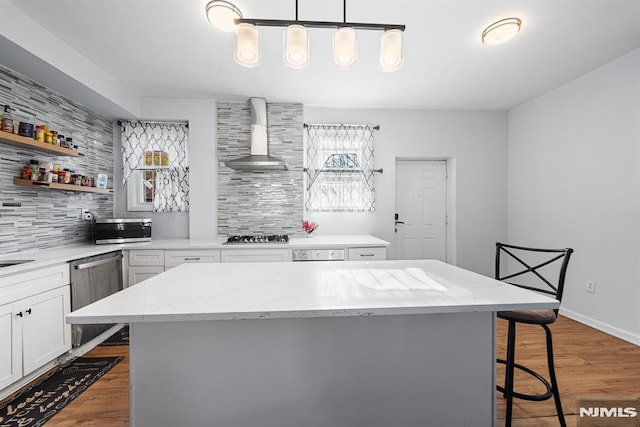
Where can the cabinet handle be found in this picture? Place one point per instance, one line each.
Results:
(367, 254)
(96, 263)
(28, 310)
(19, 314)
(192, 258)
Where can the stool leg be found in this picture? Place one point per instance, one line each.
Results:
(508, 382)
(552, 374)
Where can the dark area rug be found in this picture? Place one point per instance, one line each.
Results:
(41, 400)
(119, 338)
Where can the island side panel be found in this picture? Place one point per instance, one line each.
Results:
(409, 370)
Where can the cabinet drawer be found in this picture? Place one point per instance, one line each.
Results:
(146, 257)
(363, 254)
(256, 255)
(174, 258)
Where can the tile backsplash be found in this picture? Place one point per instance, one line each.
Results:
(260, 202)
(36, 218)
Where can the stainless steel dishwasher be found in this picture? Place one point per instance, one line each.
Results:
(93, 278)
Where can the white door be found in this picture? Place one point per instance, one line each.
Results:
(421, 202)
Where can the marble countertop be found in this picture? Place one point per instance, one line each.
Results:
(46, 257)
(193, 292)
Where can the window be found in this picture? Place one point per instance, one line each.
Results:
(155, 168)
(340, 168)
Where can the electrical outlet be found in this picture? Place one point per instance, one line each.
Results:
(590, 287)
(86, 215)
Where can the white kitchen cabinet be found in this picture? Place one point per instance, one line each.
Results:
(146, 257)
(367, 254)
(10, 351)
(138, 273)
(255, 255)
(143, 264)
(33, 331)
(174, 258)
(45, 335)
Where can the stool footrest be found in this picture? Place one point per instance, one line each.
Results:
(532, 397)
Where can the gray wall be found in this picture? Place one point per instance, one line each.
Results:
(574, 181)
(475, 147)
(32, 218)
(264, 202)
(200, 221)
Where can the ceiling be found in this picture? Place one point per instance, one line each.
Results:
(167, 48)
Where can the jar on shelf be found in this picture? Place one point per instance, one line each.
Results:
(26, 172)
(40, 133)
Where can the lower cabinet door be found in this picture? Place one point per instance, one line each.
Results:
(45, 334)
(139, 273)
(11, 347)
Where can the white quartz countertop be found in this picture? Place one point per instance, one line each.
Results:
(315, 242)
(60, 254)
(194, 292)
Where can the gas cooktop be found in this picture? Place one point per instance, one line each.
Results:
(274, 238)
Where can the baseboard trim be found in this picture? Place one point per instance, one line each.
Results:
(604, 327)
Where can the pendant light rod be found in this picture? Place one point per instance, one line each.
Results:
(344, 11)
(319, 24)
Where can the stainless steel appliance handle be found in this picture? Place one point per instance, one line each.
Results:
(99, 262)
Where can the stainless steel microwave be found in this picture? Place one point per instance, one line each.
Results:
(127, 230)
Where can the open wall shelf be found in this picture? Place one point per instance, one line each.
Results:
(63, 187)
(21, 141)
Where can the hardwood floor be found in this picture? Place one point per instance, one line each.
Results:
(589, 363)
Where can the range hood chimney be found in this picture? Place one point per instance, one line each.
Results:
(259, 158)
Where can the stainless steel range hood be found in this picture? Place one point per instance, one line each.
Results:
(259, 158)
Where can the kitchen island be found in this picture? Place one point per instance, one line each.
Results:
(383, 343)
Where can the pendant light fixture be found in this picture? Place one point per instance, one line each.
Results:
(344, 47)
(296, 38)
(501, 31)
(247, 47)
(391, 51)
(296, 46)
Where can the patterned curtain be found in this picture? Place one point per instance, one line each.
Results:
(161, 147)
(340, 168)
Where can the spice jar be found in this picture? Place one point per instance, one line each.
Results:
(54, 137)
(40, 133)
(26, 172)
(62, 175)
(47, 137)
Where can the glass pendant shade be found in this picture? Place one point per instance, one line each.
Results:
(296, 46)
(391, 51)
(222, 15)
(246, 50)
(344, 47)
(501, 31)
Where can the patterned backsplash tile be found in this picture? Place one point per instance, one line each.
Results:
(32, 218)
(260, 202)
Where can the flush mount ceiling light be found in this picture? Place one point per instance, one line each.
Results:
(296, 37)
(223, 14)
(501, 31)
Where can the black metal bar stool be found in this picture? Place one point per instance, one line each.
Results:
(530, 272)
